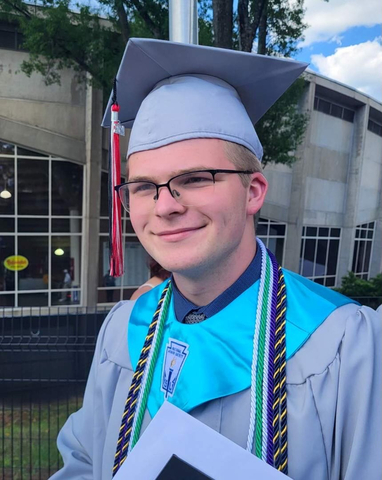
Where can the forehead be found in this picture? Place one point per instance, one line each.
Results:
(177, 157)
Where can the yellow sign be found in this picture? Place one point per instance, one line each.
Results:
(16, 262)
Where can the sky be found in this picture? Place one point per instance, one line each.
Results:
(344, 42)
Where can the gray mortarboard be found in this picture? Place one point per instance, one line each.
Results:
(168, 92)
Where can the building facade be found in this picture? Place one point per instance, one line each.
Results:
(322, 216)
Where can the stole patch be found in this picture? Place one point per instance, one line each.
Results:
(175, 355)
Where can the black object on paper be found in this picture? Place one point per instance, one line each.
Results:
(178, 469)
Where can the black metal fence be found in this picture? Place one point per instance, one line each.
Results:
(45, 356)
(372, 302)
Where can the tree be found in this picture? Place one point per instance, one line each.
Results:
(60, 34)
(274, 27)
(367, 292)
(223, 23)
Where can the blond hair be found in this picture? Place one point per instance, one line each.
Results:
(243, 159)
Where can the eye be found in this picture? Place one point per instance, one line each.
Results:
(141, 188)
(195, 180)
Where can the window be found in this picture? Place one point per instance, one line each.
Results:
(362, 249)
(41, 223)
(10, 37)
(374, 127)
(319, 254)
(333, 109)
(111, 290)
(273, 235)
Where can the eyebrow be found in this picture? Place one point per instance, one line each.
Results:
(145, 178)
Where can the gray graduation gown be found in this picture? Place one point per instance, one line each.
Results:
(334, 402)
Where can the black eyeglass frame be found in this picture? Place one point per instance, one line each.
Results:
(167, 184)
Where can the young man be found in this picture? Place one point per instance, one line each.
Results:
(283, 367)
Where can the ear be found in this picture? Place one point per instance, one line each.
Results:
(256, 193)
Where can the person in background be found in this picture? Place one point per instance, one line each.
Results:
(158, 275)
(66, 284)
(109, 281)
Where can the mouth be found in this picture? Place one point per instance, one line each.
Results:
(177, 234)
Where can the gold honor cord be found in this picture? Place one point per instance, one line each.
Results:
(136, 401)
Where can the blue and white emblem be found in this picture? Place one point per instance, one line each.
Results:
(175, 355)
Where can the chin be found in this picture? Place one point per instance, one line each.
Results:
(181, 264)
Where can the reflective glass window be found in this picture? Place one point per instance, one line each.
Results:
(7, 274)
(320, 268)
(35, 250)
(7, 186)
(66, 261)
(323, 232)
(308, 261)
(25, 152)
(33, 225)
(311, 231)
(104, 206)
(363, 243)
(7, 300)
(136, 263)
(336, 111)
(67, 188)
(324, 106)
(276, 229)
(348, 115)
(127, 292)
(262, 229)
(7, 148)
(7, 224)
(319, 254)
(104, 267)
(68, 296)
(273, 235)
(70, 225)
(129, 227)
(104, 226)
(33, 299)
(332, 257)
(33, 187)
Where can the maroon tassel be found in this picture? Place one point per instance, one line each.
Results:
(115, 224)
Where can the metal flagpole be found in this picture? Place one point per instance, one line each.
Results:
(183, 21)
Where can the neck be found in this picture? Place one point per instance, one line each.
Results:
(202, 288)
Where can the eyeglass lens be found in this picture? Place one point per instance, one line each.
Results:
(189, 189)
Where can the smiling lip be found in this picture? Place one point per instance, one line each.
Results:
(177, 234)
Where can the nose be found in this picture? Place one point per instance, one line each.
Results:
(166, 204)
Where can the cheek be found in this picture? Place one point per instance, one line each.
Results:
(138, 222)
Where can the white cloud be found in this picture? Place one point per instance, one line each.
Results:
(327, 19)
(337, 39)
(359, 66)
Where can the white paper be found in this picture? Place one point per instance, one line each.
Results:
(173, 431)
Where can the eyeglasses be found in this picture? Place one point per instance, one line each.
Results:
(191, 189)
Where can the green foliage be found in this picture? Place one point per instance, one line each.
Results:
(285, 27)
(206, 36)
(60, 34)
(354, 287)
(282, 128)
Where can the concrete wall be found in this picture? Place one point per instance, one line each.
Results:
(327, 169)
(371, 180)
(279, 192)
(50, 119)
(336, 180)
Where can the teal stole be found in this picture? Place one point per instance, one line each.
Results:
(220, 348)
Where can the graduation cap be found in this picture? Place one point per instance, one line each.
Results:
(168, 92)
